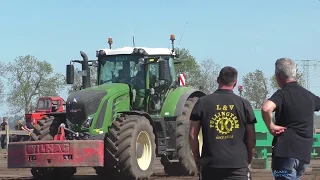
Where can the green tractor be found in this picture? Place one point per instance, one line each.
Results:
(138, 110)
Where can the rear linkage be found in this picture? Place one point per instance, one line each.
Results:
(70, 134)
(61, 135)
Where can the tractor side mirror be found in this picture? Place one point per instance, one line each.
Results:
(70, 74)
(164, 73)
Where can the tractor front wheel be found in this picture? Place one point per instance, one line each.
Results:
(186, 164)
(130, 148)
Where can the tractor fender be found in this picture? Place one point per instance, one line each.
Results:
(141, 113)
(183, 99)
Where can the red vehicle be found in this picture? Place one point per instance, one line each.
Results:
(45, 105)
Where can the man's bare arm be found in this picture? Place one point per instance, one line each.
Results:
(251, 138)
(193, 139)
(267, 108)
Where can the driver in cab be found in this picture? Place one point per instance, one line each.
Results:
(137, 80)
(123, 77)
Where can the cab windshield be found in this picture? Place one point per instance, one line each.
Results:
(122, 69)
(44, 104)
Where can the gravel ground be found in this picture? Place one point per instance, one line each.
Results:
(89, 173)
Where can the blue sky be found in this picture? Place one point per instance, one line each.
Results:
(248, 34)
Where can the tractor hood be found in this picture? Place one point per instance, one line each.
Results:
(84, 103)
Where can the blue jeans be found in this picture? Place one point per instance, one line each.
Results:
(208, 173)
(288, 168)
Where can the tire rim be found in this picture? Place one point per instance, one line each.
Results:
(200, 139)
(144, 142)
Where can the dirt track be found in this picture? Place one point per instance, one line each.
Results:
(89, 174)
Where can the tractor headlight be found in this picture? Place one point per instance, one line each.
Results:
(139, 51)
(135, 50)
(102, 53)
(87, 123)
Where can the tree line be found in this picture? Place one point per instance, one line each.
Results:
(256, 86)
(28, 78)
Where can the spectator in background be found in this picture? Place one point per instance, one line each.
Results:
(3, 128)
(294, 108)
(19, 125)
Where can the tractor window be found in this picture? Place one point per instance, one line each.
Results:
(55, 105)
(120, 69)
(109, 71)
(44, 104)
(172, 70)
(63, 105)
(154, 68)
(133, 69)
(154, 73)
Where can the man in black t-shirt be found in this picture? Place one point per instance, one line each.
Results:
(294, 108)
(227, 123)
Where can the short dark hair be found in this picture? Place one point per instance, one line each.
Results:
(228, 75)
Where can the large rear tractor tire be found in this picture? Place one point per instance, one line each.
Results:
(129, 148)
(45, 130)
(186, 165)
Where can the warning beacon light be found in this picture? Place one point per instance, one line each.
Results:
(110, 41)
(172, 37)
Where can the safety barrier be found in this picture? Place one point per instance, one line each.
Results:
(9, 132)
(264, 142)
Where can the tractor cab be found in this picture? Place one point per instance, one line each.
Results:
(50, 104)
(44, 106)
(148, 71)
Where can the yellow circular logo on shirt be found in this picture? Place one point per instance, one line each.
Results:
(224, 125)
